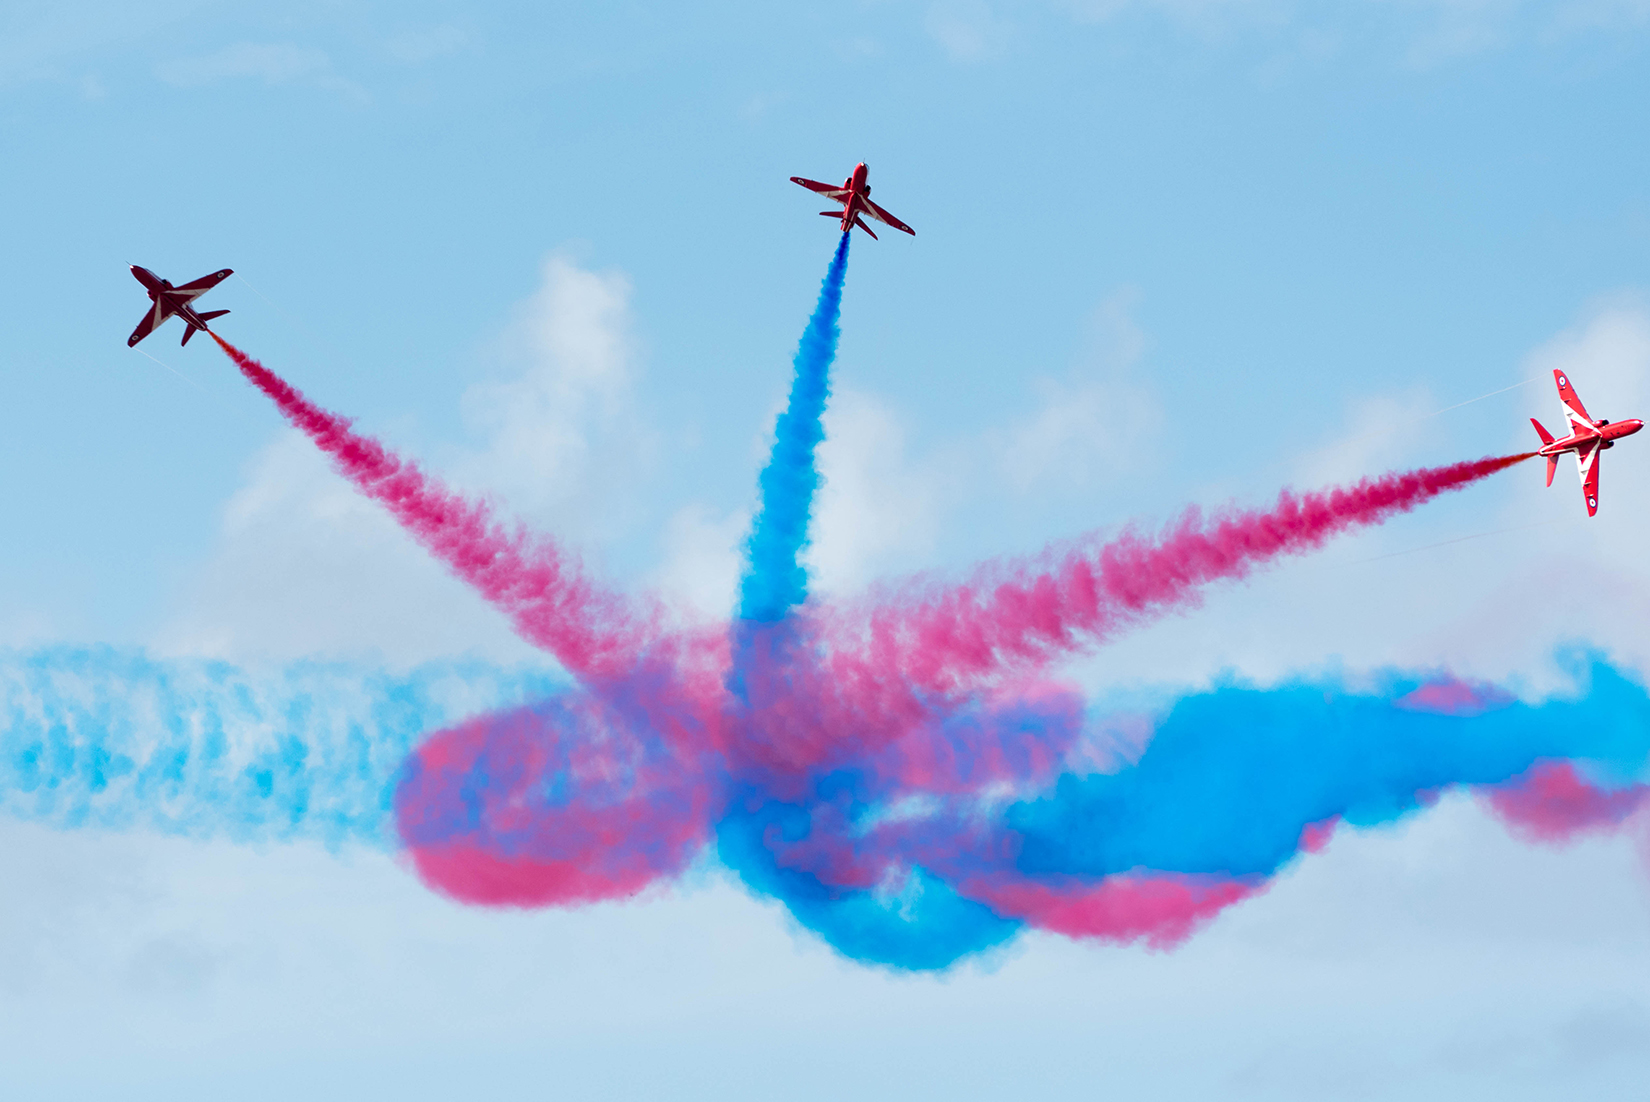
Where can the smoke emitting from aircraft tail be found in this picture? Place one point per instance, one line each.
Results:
(910, 780)
(531, 579)
(775, 581)
(1015, 616)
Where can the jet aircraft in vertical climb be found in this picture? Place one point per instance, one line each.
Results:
(168, 300)
(855, 197)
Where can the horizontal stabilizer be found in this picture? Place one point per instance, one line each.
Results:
(213, 314)
(831, 213)
(1552, 468)
(187, 333)
(860, 222)
(1546, 437)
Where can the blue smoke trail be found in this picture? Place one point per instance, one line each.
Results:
(116, 739)
(1232, 776)
(1224, 793)
(775, 582)
(928, 925)
(923, 926)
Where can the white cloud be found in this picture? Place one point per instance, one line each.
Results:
(878, 507)
(563, 438)
(702, 559)
(1201, 15)
(1428, 33)
(1100, 417)
(1457, 28)
(1382, 963)
(1609, 356)
(1491, 582)
(305, 565)
(1603, 14)
(967, 30)
(1377, 433)
(38, 40)
(273, 63)
(414, 47)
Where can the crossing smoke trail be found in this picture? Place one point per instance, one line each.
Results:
(919, 870)
(583, 800)
(1231, 786)
(911, 780)
(656, 697)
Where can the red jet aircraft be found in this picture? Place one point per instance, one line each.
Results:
(855, 197)
(171, 300)
(1587, 439)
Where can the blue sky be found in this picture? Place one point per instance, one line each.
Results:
(1166, 251)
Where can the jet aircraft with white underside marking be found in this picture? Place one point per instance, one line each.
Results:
(1588, 439)
(855, 197)
(168, 300)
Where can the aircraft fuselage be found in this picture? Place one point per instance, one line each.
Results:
(855, 196)
(163, 294)
(1605, 435)
(854, 204)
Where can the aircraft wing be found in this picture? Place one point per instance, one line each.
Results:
(1587, 463)
(840, 194)
(883, 216)
(203, 284)
(1573, 409)
(157, 314)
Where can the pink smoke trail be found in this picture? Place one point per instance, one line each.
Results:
(1553, 804)
(1012, 617)
(540, 587)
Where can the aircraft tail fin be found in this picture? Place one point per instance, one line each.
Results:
(1546, 437)
(1552, 468)
(208, 316)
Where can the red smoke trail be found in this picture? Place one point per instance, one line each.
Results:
(1008, 618)
(539, 586)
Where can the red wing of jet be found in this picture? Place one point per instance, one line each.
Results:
(832, 191)
(157, 314)
(203, 284)
(883, 216)
(1573, 409)
(1587, 461)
